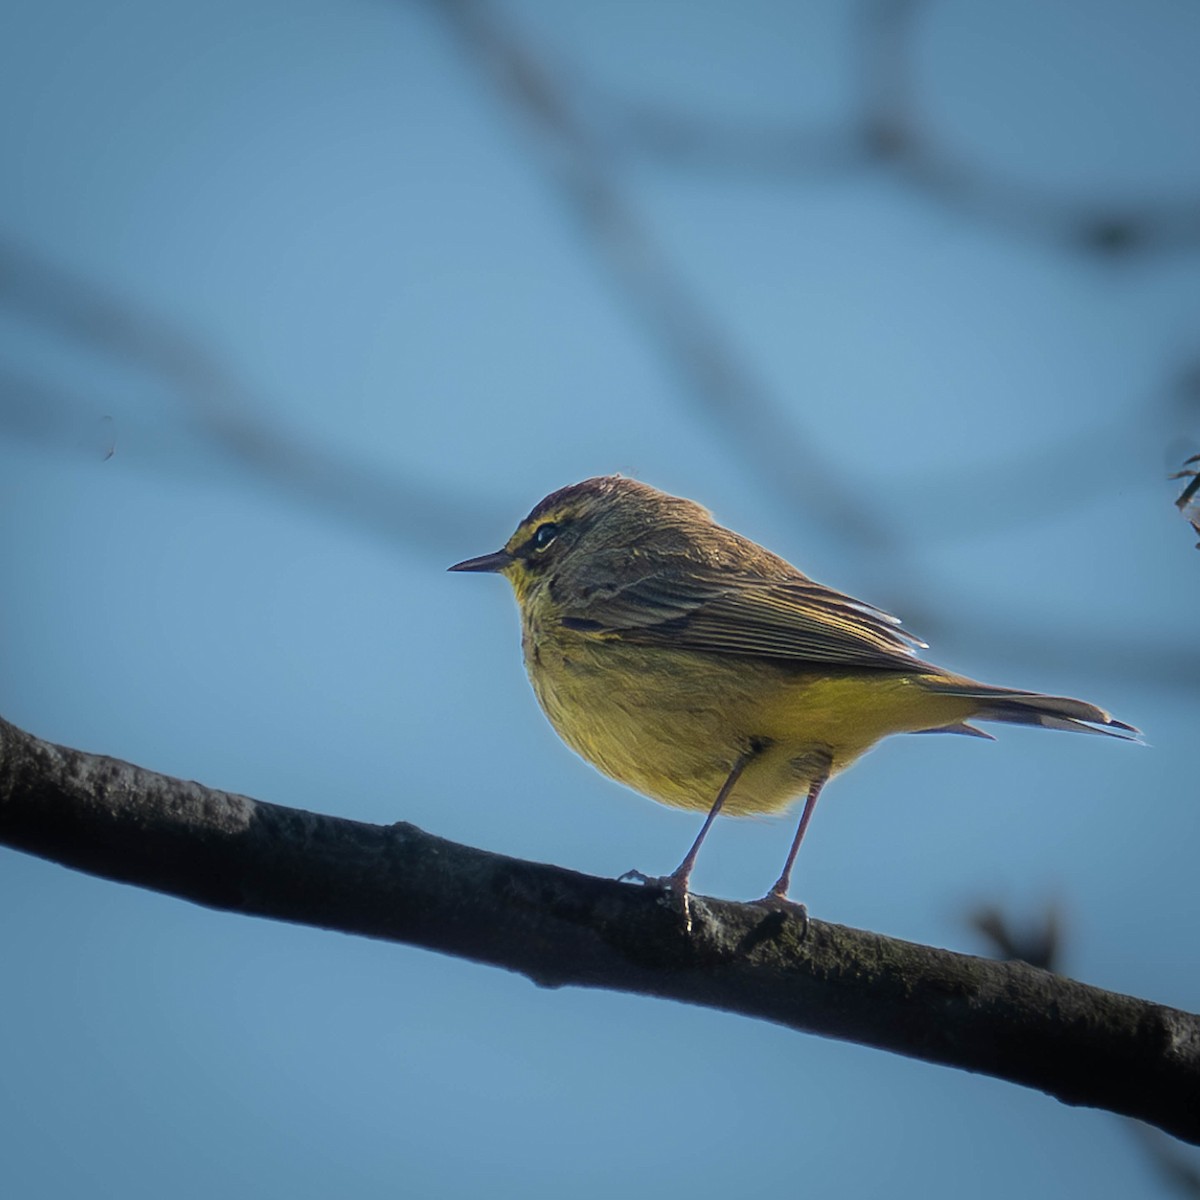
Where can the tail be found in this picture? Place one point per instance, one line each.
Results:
(1031, 708)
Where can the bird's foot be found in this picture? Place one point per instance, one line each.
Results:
(674, 887)
(636, 876)
(668, 883)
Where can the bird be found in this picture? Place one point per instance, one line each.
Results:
(700, 669)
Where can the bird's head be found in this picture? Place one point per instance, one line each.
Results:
(566, 529)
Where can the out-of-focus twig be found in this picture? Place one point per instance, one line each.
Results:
(721, 383)
(1041, 945)
(235, 421)
(215, 404)
(765, 434)
(581, 136)
(1171, 1163)
(902, 142)
(889, 134)
(1032, 484)
(413, 515)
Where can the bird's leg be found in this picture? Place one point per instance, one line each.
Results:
(778, 895)
(677, 881)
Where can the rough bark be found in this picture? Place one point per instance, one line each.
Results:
(1081, 1044)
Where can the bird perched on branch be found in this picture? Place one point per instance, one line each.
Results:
(700, 669)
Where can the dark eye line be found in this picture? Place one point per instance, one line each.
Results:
(540, 540)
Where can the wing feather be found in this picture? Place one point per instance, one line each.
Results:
(720, 611)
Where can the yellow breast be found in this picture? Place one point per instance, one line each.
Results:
(670, 723)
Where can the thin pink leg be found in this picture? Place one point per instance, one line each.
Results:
(780, 889)
(678, 878)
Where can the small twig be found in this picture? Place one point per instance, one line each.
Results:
(1043, 946)
(1189, 499)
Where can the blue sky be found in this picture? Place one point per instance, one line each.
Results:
(338, 206)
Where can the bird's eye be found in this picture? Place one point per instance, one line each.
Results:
(544, 535)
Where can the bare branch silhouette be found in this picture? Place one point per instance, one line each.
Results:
(1189, 499)
(1042, 946)
(1080, 1044)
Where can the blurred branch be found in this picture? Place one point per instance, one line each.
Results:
(222, 409)
(1042, 946)
(414, 515)
(1039, 946)
(1168, 1161)
(889, 134)
(720, 382)
(754, 423)
(580, 133)
(1029, 485)
(1121, 654)
(1082, 1045)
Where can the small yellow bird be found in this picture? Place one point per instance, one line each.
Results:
(689, 663)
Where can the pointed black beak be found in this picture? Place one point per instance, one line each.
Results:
(485, 562)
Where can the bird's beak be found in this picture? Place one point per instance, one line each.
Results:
(485, 562)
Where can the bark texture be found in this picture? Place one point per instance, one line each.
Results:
(1081, 1044)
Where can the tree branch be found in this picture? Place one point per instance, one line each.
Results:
(1189, 499)
(1080, 1044)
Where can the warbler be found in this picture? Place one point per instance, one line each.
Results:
(698, 668)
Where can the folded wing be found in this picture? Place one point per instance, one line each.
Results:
(724, 612)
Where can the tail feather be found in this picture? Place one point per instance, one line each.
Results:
(1032, 708)
(961, 727)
